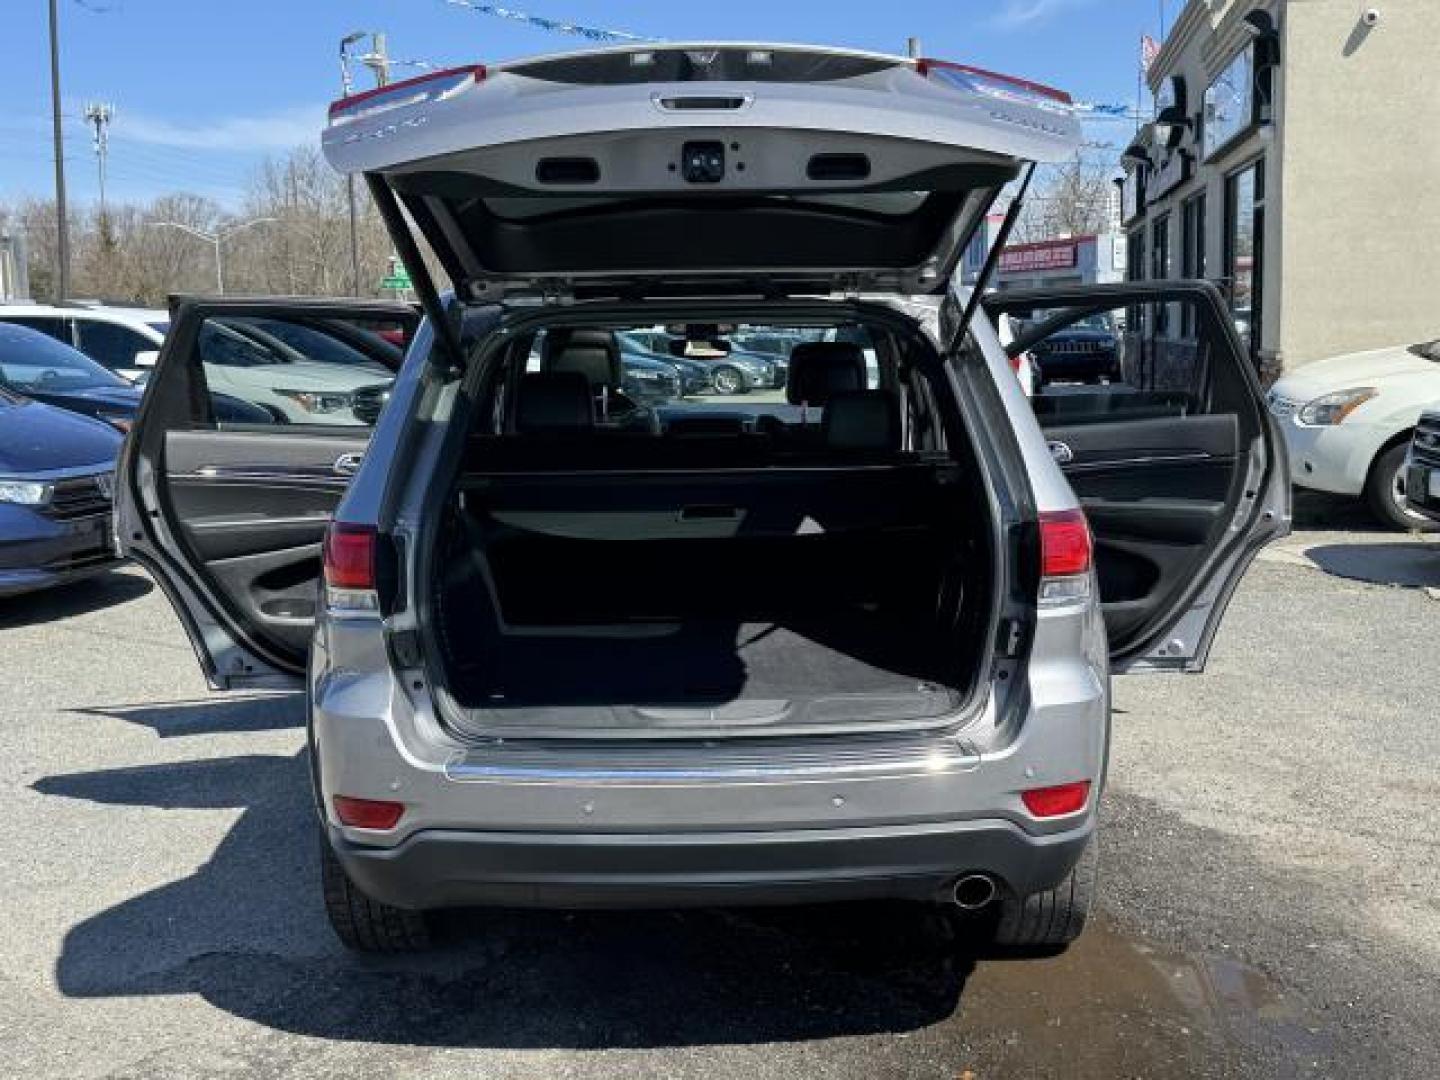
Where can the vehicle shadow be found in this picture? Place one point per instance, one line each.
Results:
(1322, 510)
(75, 598)
(1408, 565)
(224, 715)
(246, 933)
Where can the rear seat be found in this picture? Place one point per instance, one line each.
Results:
(556, 427)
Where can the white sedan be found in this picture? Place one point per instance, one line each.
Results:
(1348, 420)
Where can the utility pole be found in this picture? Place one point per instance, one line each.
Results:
(99, 114)
(378, 61)
(62, 221)
(345, 90)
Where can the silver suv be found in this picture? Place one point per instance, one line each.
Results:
(846, 639)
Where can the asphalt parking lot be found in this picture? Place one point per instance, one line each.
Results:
(1270, 896)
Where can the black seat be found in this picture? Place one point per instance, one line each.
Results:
(595, 355)
(863, 421)
(554, 403)
(821, 369)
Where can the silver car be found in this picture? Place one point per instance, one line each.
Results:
(563, 648)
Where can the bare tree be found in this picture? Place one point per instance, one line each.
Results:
(302, 249)
(1070, 199)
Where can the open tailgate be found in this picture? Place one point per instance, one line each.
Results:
(713, 167)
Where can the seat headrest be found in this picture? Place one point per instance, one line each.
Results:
(554, 402)
(821, 369)
(593, 353)
(863, 420)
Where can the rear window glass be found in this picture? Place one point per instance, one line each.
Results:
(701, 65)
(662, 396)
(742, 369)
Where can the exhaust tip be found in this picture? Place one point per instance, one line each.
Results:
(973, 892)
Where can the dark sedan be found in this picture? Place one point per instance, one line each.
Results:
(647, 380)
(694, 375)
(55, 488)
(1088, 350)
(37, 366)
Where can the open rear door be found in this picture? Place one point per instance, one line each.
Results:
(1153, 411)
(256, 417)
(665, 169)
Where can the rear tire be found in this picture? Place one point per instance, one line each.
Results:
(363, 924)
(1050, 920)
(1382, 493)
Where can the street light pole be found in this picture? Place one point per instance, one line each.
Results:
(345, 88)
(214, 239)
(62, 220)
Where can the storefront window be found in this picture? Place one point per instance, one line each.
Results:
(1160, 266)
(1135, 255)
(1244, 248)
(1192, 252)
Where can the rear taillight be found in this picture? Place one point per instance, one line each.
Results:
(349, 556)
(1054, 801)
(1066, 554)
(367, 813)
(992, 83)
(430, 87)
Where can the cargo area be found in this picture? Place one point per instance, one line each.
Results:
(800, 565)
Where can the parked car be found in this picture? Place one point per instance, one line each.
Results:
(694, 376)
(737, 372)
(1086, 351)
(123, 340)
(855, 647)
(1349, 420)
(56, 473)
(647, 378)
(300, 372)
(40, 367)
(1422, 467)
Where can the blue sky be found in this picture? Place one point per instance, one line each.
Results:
(204, 90)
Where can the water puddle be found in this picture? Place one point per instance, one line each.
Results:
(1115, 1007)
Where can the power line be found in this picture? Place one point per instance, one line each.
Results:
(555, 26)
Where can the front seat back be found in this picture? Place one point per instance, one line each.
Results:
(592, 353)
(821, 369)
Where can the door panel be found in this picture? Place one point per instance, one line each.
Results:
(252, 508)
(228, 513)
(1157, 421)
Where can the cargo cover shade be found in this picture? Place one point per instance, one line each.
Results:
(673, 169)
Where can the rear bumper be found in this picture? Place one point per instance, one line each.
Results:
(450, 868)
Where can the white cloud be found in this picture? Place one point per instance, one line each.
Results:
(1014, 14)
(278, 130)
